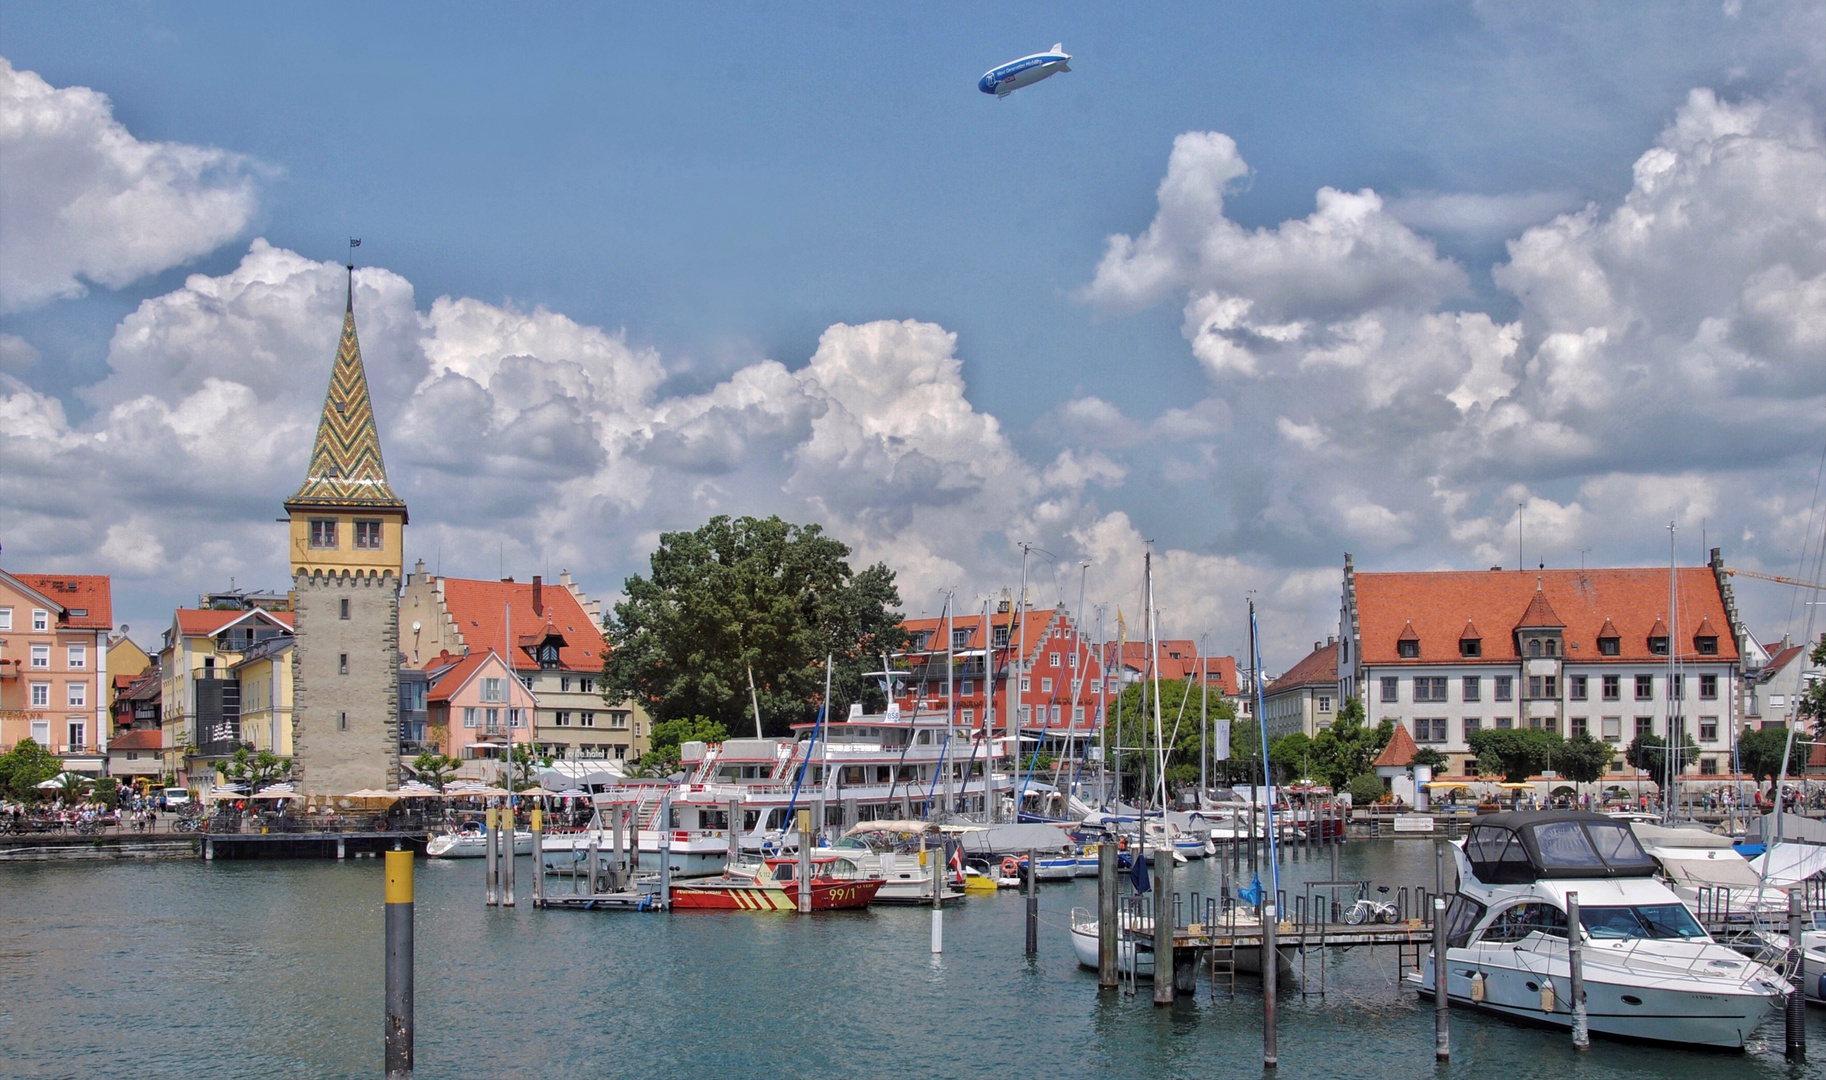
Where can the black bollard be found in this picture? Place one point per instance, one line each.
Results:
(399, 965)
(1033, 902)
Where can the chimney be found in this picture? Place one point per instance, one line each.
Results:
(538, 596)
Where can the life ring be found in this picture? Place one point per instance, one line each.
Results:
(1011, 867)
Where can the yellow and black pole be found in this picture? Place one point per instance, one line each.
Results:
(399, 965)
(538, 856)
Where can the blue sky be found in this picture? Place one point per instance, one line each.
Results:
(723, 186)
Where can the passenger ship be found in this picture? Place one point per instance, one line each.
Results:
(868, 767)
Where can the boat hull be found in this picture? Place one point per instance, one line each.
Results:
(472, 845)
(748, 895)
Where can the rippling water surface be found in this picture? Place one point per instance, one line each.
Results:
(273, 969)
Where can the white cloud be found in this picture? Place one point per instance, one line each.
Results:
(83, 200)
(1480, 215)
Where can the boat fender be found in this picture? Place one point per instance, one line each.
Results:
(1011, 867)
(1547, 997)
(1477, 987)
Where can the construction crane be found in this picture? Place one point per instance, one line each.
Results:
(1777, 578)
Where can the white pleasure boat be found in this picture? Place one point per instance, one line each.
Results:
(1651, 972)
(469, 842)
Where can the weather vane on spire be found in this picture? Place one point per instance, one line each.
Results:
(354, 242)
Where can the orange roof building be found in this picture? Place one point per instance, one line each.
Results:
(1305, 697)
(1594, 651)
(54, 681)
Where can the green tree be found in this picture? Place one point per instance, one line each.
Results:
(1346, 749)
(434, 768)
(1179, 705)
(1515, 754)
(1649, 753)
(524, 766)
(24, 767)
(107, 791)
(1812, 705)
(668, 735)
(1429, 757)
(745, 594)
(256, 769)
(1291, 756)
(73, 787)
(1583, 759)
(1759, 753)
(1365, 788)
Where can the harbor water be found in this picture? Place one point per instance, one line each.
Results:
(191, 969)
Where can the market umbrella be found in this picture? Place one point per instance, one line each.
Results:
(63, 778)
(372, 795)
(414, 789)
(534, 792)
(279, 791)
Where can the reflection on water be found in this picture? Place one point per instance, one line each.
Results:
(274, 969)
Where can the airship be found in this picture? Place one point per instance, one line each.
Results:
(1026, 71)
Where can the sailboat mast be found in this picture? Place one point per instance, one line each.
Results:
(1160, 754)
(1204, 716)
(1676, 723)
(989, 809)
(950, 696)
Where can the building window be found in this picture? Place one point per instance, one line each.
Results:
(1052, 659)
(342, 663)
(1077, 714)
(77, 695)
(1552, 646)
(1505, 688)
(968, 688)
(561, 719)
(1708, 646)
(969, 716)
(618, 721)
(564, 684)
(1613, 688)
(494, 691)
(1708, 767)
(1026, 683)
(342, 721)
(79, 734)
(516, 718)
(1645, 725)
(1577, 726)
(1534, 646)
(960, 639)
(472, 716)
(1612, 727)
(1072, 660)
(1543, 686)
(343, 608)
(1708, 688)
(1431, 730)
(1027, 714)
(526, 681)
(1577, 686)
(587, 686)
(1471, 724)
(1045, 685)
(1097, 686)
(621, 752)
(41, 656)
(1657, 646)
(1708, 729)
(41, 695)
(1408, 650)
(1470, 647)
(1324, 703)
(77, 657)
(1000, 637)
(41, 620)
(1645, 687)
(1504, 723)
(367, 535)
(1472, 687)
(1679, 688)
(323, 532)
(1391, 688)
(6, 619)
(586, 718)
(1609, 646)
(1430, 688)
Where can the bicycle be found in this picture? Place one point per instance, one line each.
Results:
(1366, 910)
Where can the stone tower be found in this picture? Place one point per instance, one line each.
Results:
(347, 544)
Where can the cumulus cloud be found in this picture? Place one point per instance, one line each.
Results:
(86, 201)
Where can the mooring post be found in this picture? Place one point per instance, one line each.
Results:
(399, 965)
(1442, 1003)
(1107, 926)
(805, 862)
(508, 840)
(594, 866)
(624, 873)
(936, 859)
(209, 849)
(731, 856)
(538, 857)
(341, 852)
(1575, 965)
(1271, 978)
(1796, 1049)
(1033, 901)
(1163, 924)
(491, 837)
(665, 850)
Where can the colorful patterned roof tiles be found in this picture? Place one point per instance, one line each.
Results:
(346, 468)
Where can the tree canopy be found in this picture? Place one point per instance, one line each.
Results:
(1515, 754)
(1583, 759)
(662, 758)
(750, 593)
(1649, 753)
(26, 766)
(1179, 707)
(1346, 749)
(1812, 706)
(1759, 753)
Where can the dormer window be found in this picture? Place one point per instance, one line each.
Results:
(1001, 637)
(1658, 645)
(1609, 646)
(548, 655)
(1707, 646)
(1551, 646)
(1534, 646)
(1470, 647)
(1409, 649)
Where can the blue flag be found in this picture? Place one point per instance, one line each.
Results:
(1138, 871)
(1253, 894)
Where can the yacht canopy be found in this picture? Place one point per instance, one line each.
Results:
(1518, 848)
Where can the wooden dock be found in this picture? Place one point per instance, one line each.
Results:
(614, 901)
(307, 845)
(1290, 935)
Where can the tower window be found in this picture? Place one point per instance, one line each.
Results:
(367, 535)
(345, 607)
(342, 663)
(342, 721)
(323, 533)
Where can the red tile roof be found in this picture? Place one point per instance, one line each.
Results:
(90, 594)
(1540, 613)
(451, 679)
(195, 622)
(480, 610)
(1400, 751)
(142, 739)
(1439, 603)
(1320, 667)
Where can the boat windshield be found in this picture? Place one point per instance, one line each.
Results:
(1641, 921)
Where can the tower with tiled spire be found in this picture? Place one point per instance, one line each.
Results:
(347, 558)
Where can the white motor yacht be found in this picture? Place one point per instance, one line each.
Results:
(471, 843)
(1651, 972)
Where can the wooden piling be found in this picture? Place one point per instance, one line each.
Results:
(665, 851)
(491, 838)
(1575, 964)
(733, 855)
(538, 823)
(508, 841)
(1442, 1002)
(805, 862)
(624, 869)
(1107, 975)
(937, 863)
(1271, 978)
(399, 902)
(1033, 902)
(1163, 924)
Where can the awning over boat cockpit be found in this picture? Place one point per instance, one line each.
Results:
(1518, 848)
